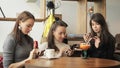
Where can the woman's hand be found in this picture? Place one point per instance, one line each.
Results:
(97, 41)
(41, 53)
(69, 52)
(66, 51)
(61, 51)
(87, 37)
(33, 54)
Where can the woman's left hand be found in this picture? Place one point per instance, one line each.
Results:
(97, 41)
(69, 52)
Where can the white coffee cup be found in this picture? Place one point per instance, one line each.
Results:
(49, 53)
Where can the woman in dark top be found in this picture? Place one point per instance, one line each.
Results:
(101, 40)
(18, 45)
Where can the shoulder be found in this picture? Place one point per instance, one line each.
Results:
(10, 38)
(9, 43)
(111, 40)
(111, 37)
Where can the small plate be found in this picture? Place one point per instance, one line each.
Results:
(44, 57)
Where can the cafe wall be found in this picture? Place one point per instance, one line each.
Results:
(67, 9)
(12, 9)
(113, 16)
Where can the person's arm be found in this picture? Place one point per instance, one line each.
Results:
(8, 51)
(87, 37)
(107, 50)
(111, 48)
(22, 63)
(66, 51)
(59, 54)
(9, 55)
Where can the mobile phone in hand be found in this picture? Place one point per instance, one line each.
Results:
(35, 45)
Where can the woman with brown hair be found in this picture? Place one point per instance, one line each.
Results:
(55, 39)
(102, 41)
(18, 46)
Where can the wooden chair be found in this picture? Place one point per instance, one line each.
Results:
(1, 60)
(117, 48)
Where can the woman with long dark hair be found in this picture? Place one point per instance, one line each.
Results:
(55, 39)
(18, 46)
(102, 42)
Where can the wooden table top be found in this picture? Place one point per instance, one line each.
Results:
(71, 62)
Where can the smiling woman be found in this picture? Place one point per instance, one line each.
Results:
(18, 44)
(55, 39)
(102, 42)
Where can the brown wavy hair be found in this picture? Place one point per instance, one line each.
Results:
(104, 36)
(25, 15)
(51, 41)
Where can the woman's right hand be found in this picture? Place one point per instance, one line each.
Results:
(33, 54)
(97, 41)
(87, 37)
(66, 51)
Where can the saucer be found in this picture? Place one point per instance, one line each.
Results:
(44, 57)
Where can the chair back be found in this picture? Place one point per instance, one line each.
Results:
(1, 62)
(117, 37)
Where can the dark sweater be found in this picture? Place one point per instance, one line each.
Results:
(14, 52)
(104, 50)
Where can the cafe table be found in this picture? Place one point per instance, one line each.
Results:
(72, 62)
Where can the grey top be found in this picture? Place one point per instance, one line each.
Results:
(14, 52)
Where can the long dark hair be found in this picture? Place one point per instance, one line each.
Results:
(51, 41)
(25, 15)
(97, 17)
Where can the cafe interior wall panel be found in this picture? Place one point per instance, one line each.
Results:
(7, 26)
(100, 6)
(68, 15)
(82, 17)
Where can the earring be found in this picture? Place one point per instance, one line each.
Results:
(19, 27)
